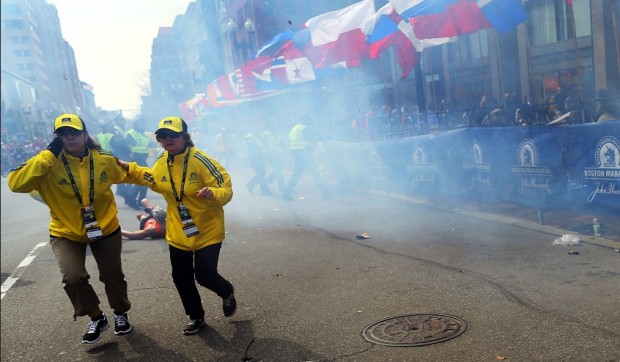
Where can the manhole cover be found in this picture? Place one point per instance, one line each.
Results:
(414, 330)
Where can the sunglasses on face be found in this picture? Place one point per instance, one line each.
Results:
(163, 135)
(68, 131)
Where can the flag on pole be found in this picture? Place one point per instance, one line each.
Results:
(275, 43)
(504, 15)
(336, 36)
(412, 8)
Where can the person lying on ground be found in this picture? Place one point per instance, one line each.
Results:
(152, 224)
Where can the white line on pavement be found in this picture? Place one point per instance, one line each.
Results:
(8, 283)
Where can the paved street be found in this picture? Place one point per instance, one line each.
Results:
(307, 287)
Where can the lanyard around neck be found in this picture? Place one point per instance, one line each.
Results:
(178, 197)
(91, 196)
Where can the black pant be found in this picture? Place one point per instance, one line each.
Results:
(201, 265)
(138, 192)
(304, 161)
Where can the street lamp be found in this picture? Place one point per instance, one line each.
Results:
(231, 29)
(250, 29)
(222, 10)
(249, 25)
(27, 112)
(231, 26)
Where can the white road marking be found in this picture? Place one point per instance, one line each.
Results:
(8, 283)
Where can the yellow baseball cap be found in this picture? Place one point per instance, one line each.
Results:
(174, 124)
(68, 120)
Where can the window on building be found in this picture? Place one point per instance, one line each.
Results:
(471, 46)
(15, 40)
(552, 21)
(11, 9)
(12, 24)
(19, 54)
(24, 39)
(29, 66)
(27, 53)
(21, 67)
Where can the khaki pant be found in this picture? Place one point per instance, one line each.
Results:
(71, 257)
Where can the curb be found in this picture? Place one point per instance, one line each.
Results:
(588, 239)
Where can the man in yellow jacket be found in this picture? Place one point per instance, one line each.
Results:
(302, 142)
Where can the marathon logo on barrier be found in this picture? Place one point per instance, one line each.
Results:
(481, 170)
(607, 157)
(607, 173)
(421, 169)
(477, 157)
(533, 175)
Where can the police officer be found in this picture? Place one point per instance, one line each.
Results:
(139, 144)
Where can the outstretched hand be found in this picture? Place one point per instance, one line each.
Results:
(123, 164)
(205, 193)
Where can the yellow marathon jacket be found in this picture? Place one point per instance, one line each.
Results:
(208, 215)
(46, 174)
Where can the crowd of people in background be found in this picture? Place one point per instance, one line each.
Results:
(354, 125)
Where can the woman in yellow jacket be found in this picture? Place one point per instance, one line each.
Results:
(74, 177)
(196, 188)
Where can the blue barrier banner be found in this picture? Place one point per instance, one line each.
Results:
(568, 166)
(595, 173)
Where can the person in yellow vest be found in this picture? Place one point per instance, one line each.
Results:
(273, 155)
(139, 143)
(255, 157)
(105, 137)
(302, 142)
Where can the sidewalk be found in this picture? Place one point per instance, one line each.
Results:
(556, 222)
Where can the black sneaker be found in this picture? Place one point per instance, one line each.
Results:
(121, 324)
(229, 305)
(95, 328)
(194, 326)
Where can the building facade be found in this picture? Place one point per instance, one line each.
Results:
(34, 51)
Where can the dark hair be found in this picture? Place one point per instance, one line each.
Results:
(93, 144)
(90, 142)
(188, 139)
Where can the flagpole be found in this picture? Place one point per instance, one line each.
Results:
(420, 89)
(385, 97)
(529, 64)
(499, 66)
(614, 17)
(430, 68)
(578, 64)
(458, 50)
(484, 74)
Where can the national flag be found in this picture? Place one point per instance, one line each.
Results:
(412, 8)
(245, 77)
(188, 110)
(336, 36)
(226, 86)
(288, 67)
(297, 68)
(504, 15)
(381, 35)
(459, 18)
(222, 91)
(275, 43)
(383, 23)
